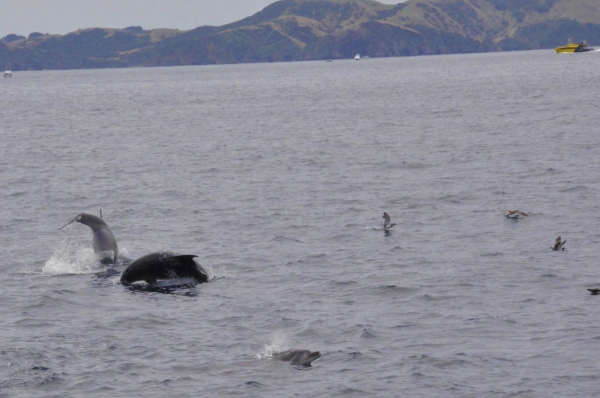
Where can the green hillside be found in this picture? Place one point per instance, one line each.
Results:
(289, 30)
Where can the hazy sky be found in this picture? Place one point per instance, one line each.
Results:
(63, 16)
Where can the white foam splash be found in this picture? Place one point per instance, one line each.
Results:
(123, 253)
(71, 257)
(66, 261)
(278, 344)
(218, 272)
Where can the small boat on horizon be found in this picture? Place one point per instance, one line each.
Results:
(574, 48)
(7, 71)
(357, 57)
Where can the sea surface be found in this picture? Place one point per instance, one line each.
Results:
(277, 176)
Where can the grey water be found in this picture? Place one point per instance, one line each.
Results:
(276, 176)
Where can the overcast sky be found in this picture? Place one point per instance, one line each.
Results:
(63, 16)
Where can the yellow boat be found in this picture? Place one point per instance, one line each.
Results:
(574, 48)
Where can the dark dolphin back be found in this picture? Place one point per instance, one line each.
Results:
(298, 357)
(163, 265)
(291, 354)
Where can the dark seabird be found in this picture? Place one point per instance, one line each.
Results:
(386, 222)
(515, 214)
(559, 245)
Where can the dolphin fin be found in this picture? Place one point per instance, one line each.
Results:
(193, 268)
(186, 256)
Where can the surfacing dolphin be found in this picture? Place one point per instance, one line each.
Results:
(163, 265)
(298, 357)
(103, 240)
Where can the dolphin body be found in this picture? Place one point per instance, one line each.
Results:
(103, 240)
(298, 357)
(163, 265)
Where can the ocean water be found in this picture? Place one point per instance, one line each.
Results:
(276, 175)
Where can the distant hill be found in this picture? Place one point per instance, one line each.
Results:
(290, 30)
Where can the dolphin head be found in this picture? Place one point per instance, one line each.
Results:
(306, 359)
(130, 275)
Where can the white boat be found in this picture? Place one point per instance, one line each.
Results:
(8, 72)
(357, 57)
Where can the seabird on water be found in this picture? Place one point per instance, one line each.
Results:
(515, 214)
(386, 222)
(559, 245)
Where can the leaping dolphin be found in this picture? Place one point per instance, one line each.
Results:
(103, 240)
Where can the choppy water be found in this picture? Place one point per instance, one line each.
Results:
(274, 174)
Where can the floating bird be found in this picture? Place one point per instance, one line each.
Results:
(594, 292)
(559, 245)
(386, 222)
(515, 214)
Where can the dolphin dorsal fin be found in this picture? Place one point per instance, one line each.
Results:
(186, 256)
